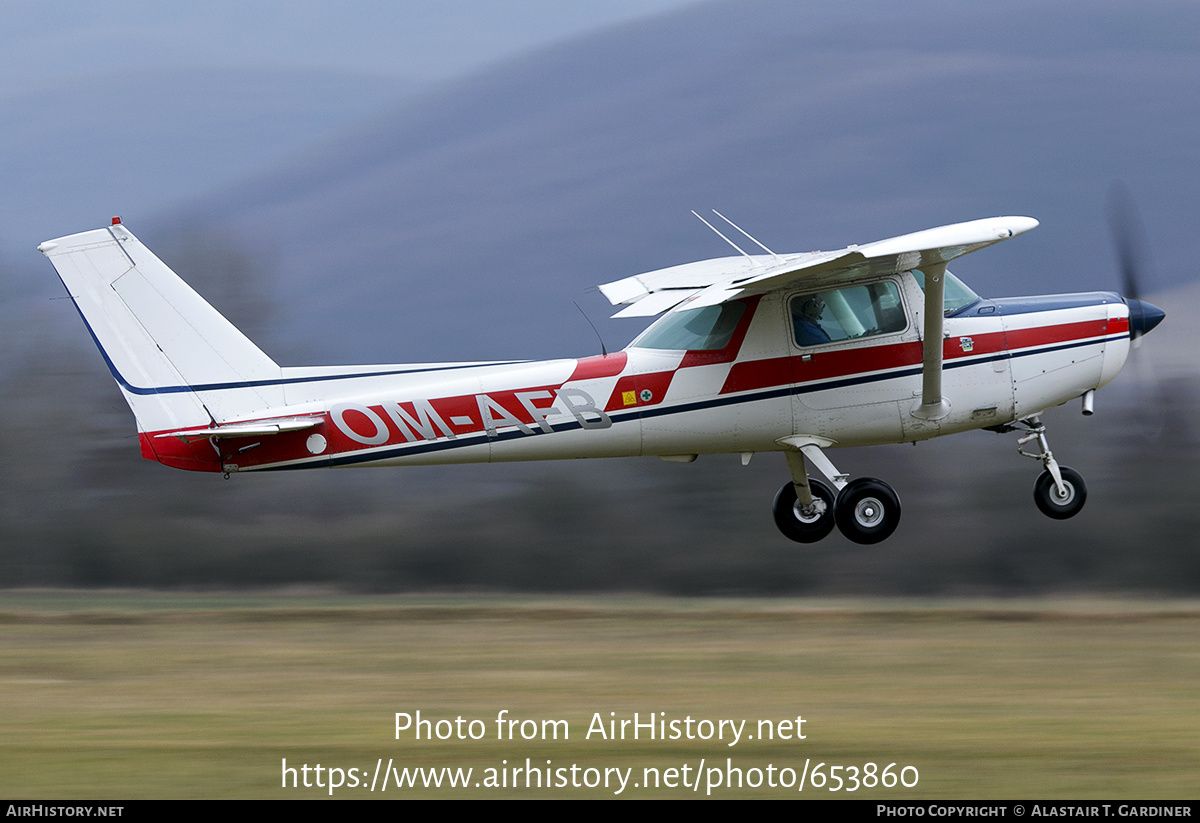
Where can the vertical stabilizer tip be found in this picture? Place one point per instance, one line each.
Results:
(116, 221)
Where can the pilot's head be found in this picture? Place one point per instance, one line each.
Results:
(812, 307)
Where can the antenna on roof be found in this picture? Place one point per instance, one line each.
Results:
(752, 238)
(603, 349)
(723, 237)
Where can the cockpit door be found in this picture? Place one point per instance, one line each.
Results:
(853, 355)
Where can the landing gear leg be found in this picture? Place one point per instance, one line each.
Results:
(865, 510)
(804, 507)
(1059, 491)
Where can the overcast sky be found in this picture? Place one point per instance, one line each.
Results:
(44, 44)
(140, 102)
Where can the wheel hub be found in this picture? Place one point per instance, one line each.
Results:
(1066, 497)
(810, 513)
(868, 512)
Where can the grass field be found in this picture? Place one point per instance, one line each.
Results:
(125, 695)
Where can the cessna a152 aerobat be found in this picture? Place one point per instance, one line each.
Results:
(791, 353)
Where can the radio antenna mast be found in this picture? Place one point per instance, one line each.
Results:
(752, 238)
(723, 237)
(603, 350)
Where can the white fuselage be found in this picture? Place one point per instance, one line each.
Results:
(1003, 360)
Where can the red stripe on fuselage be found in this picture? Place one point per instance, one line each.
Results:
(777, 371)
(824, 365)
(1044, 335)
(603, 365)
(656, 383)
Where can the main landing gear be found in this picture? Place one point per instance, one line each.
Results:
(865, 510)
(1059, 491)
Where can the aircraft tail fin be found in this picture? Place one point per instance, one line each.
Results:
(180, 364)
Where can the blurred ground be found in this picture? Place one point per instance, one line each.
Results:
(127, 695)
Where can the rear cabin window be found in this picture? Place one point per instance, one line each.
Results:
(708, 328)
(847, 314)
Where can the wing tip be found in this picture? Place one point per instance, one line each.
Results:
(1020, 225)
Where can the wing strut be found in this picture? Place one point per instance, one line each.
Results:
(933, 405)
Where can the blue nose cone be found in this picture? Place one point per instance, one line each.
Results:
(1143, 316)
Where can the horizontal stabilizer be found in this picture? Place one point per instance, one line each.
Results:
(258, 429)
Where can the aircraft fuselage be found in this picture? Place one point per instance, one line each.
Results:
(1004, 360)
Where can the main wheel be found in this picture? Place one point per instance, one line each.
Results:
(799, 524)
(867, 510)
(1060, 506)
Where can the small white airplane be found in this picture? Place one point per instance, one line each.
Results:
(792, 353)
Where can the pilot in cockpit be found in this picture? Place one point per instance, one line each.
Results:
(806, 320)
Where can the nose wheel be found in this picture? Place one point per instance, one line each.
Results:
(1056, 503)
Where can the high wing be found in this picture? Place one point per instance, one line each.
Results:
(710, 282)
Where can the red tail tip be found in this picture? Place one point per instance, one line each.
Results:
(116, 221)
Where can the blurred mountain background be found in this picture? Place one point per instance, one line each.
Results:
(343, 208)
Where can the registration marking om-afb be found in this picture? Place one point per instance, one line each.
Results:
(574, 406)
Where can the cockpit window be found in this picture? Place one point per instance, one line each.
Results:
(847, 314)
(958, 295)
(708, 328)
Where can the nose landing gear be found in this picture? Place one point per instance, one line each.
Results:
(1059, 491)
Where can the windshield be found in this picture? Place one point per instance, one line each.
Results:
(957, 294)
(708, 328)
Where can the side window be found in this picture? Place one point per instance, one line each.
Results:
(847, 314)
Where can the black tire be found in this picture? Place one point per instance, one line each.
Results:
(793, 523)
(1045, 494)
(867, 511)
